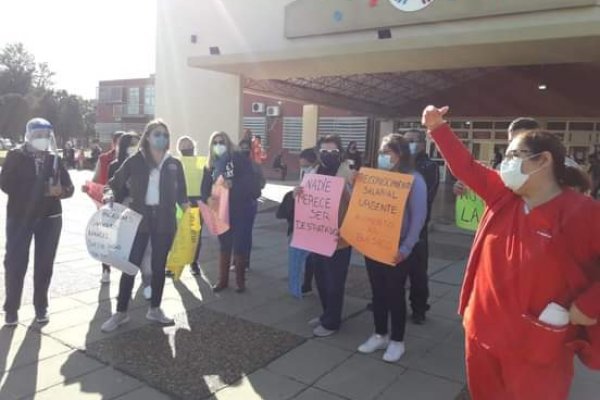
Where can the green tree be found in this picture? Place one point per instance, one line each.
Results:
(18, 69)
(14, 114)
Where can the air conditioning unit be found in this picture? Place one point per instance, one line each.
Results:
(273, 111)
(258, 108)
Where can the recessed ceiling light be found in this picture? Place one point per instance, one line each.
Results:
(542, 86)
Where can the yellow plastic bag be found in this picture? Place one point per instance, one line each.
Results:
(184, 245)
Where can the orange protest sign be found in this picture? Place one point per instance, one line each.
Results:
(374, 219)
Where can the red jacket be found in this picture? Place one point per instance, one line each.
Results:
(521, 261)
(104, 161)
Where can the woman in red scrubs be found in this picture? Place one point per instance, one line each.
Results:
(533, 277)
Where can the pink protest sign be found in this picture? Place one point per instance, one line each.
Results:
(216, 214)
(316, 214)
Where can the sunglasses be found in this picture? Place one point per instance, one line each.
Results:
(159, 134)
(325, 151)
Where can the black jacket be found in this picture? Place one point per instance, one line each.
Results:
(245, 183)
(25, 188)
(286, 211)
(131, 180)
(431, 173)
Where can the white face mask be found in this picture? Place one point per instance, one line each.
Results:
(219, 149)
(40, 144)
(413, 147)
(131, 150)
(512, 175)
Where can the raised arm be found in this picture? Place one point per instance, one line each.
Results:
(482, 180)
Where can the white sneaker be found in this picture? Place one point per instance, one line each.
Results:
(374, 343)
(321, 331)
(313, 323)
(117, 319)
(105, 277)
(148, 292)
(157, 315)
(394, 352)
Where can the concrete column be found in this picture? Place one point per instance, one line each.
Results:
(192, 101)
(310, 125)
(197, 102)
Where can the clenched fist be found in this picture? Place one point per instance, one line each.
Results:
(433, 117)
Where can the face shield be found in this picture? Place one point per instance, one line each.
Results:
(39, 135)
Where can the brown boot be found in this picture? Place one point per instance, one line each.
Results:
(224, 262)
(241, 263)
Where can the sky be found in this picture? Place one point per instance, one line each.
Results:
(84, 41)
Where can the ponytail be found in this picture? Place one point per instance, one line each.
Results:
(574, 177)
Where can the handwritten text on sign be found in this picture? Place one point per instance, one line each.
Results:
(469, 210)
(374, 219)
(110, 234)
(316, 214)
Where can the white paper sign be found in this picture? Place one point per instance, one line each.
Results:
(110, 234)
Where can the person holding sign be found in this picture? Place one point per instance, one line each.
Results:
(101, 177)
(193, 168)
(155, 183)
(35, 180)
(388, 282)
(331, 272)
(531, 294)
(232, 169)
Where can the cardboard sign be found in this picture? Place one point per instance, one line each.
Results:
(469, 210)
(216, 215)
(374, 219)
(316, 226)
(95, 191)
(110, 234)
(193, 170)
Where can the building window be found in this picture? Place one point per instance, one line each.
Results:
(110, 94)
(149, 98)
(133, 101)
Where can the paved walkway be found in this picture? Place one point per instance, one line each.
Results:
(71, 359)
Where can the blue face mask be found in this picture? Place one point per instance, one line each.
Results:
(159, 142)
(384, 161)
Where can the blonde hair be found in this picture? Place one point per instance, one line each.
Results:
(228, 143)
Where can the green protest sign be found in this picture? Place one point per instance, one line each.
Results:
(469, 210)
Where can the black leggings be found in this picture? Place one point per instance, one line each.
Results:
(389, 299)
(161, 244)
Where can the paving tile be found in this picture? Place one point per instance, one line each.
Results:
(316, 394)
(145, 393)
(105, 383)
(360, 378)
(35, 377)
(20, 346)
(308, 362)
(435, 329)
(74, 317)
(419, 386)
(445, 362)
(452, 275)
(80, 336)
(55, 305)
(271, 313)
(445, 308)
(259, 385)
